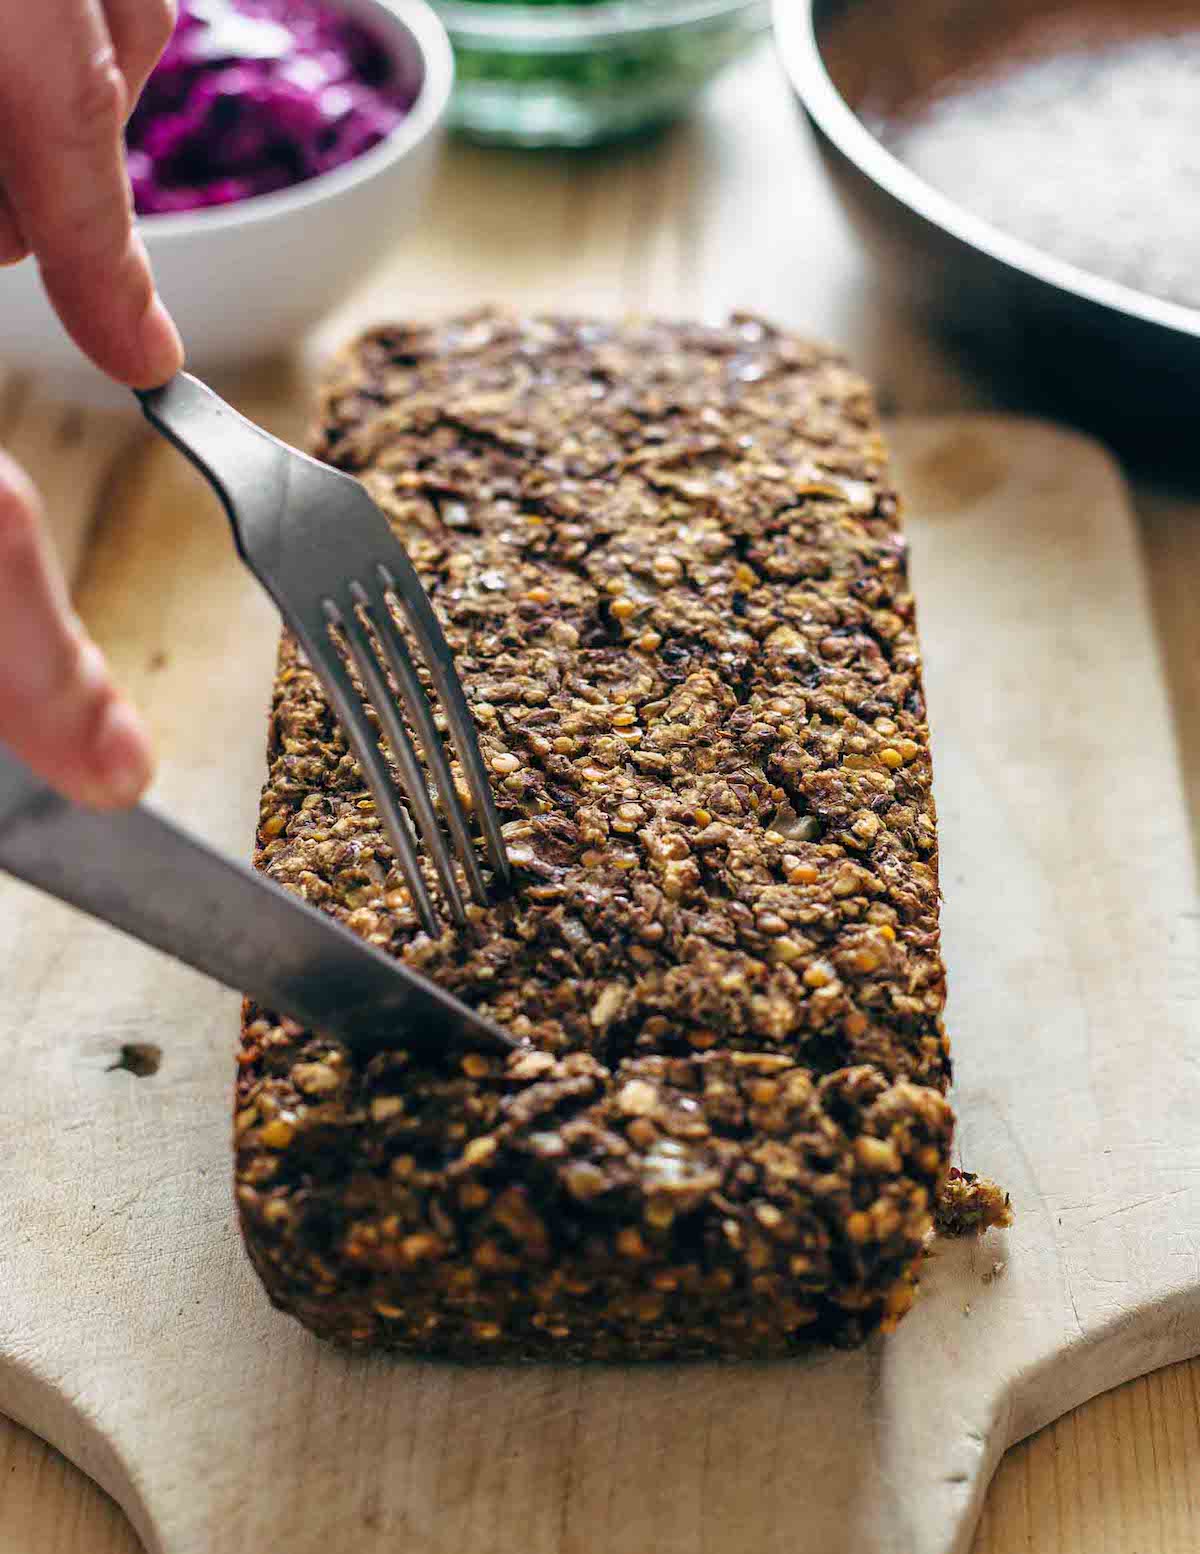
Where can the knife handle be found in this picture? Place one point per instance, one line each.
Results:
(139, 873)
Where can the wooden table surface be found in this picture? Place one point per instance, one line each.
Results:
(729, 210)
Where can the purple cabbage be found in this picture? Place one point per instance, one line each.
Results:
(252, 96)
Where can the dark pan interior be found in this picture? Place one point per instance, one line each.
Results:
(1059, 338)
(889, 58)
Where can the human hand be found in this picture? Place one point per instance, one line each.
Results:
(70, 72)
(59, 710)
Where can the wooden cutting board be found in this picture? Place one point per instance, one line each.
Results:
(134, 1336)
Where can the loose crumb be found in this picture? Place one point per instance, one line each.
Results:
(968, 1205)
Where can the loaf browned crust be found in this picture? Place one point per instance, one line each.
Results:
(670, 564)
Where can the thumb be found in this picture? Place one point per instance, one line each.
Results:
(59, 710)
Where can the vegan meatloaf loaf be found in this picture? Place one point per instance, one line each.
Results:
(669, 562)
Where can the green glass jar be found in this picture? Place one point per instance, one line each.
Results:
(547, 73)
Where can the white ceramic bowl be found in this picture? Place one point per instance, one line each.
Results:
(247, 281)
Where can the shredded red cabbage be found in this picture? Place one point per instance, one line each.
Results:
(257, 95)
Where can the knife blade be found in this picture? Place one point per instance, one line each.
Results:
(144, 875)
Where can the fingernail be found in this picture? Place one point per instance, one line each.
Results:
(162, 349)
(121, 758)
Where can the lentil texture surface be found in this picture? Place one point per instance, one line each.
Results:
(670, 564)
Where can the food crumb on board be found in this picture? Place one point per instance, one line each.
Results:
(968, 1205)
(139, 1058)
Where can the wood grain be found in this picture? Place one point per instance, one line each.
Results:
(729, 210)
(1117, 1476)
(73, 454)
(128, 1302)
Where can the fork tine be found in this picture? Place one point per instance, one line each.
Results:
(399, 659)
(348, 706)
(400, 577)
(379, 695)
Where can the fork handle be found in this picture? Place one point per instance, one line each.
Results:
(229, 451)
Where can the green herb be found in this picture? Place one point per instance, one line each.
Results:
(522, 88)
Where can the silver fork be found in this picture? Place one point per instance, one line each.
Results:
(325, 553)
